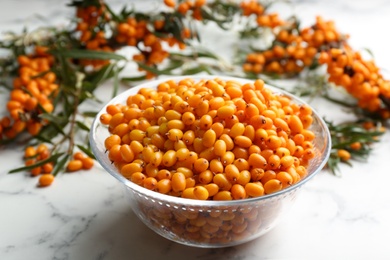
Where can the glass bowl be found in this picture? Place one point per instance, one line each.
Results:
(209, 224)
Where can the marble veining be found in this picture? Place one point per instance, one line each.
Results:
(87, 216)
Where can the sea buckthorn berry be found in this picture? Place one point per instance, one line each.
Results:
(228, 141)
(218, 128)
(223, 195)
(78, 156)
(201, 193)
(285, 178)
(188, 118)
(169, 158)
(189, 193)
(74, 165)
(188, 173)
(47, 168)
(175, 124)
(201, 165)
(46, 180)
(309, 135)
(205, 122)
(30, 152)
(137, 135)
(273, 162)
(219, 147)
(295, 124)
(209, 138)
(178, 181)
(238, 192)
(206, 177)
(243, 141)
(272, 186)
(356, 146)
(212, 188)
(286, 161)
(175, 135)
(256, 174)
(188, 137)
(222, 181)
(163, 186)
(244, 177)
(257, 161)
(216, 166)
(232, 173)
(225, 112)
(138, 178)
(111, 141)
(309, 154)
(150, 183)
(163, 174)
(128, 169)
(172, 114)
(36, 171)
(344, 154)
(88, 163)
(268, 175)
(237, 130)
(273, 142)
(147, 153)
(227, 158)
(156, 158)
(182, 154)
(254, 189)
(202, 108)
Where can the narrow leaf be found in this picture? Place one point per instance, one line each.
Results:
(87, 54)
(52, 158)
(82, 126)
(89, 113)
(134, 79)
(196, 70)
(86, 151)
(60, 165)
(116, 82)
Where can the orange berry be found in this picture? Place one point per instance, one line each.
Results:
(74, 165)
(46, 180)
(87, 162)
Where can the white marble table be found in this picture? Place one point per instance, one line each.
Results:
(85, 215)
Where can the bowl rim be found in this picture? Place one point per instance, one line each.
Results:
(100, 157)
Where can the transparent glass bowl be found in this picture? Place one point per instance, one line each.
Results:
(209, 223)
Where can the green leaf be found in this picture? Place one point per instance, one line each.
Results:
(57, 122)
(52, 158)
(174, 64)
(82, 126)
(151, 69)
(196, 70)
(43, 139)
(114, 17)
(369, 52)
(86, 151)
(116, 82)
(59, 166)
(89, 113)
(134, 79)
(87, 54)
(101, 75)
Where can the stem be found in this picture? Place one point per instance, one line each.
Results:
(79, 81)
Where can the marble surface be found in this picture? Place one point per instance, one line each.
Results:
(85, 215)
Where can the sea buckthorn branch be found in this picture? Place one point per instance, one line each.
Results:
(48, 76)
(352, 141)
